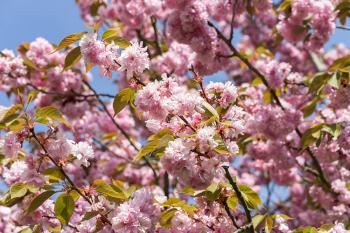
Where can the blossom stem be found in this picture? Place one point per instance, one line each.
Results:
(240, 198)
(227, 209)
(125, 134)
(64, 173)
(166, 184)
(68, 94)
(187, 123)
(154, 25)
(342, 27)
(274, 96)
(234, 4)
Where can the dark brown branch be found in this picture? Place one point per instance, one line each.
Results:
(343, 28)
(240, 198)
(125, 134)
(68, 94)
(187, 123)
(274, 96)
(157, 42)
(227, 209)
(64, 173)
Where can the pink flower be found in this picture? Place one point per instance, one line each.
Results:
(98, 53)
(83, 152)
(134, 59)
(205, 139)
(139, 215)
(226, 93)
(10, 145)
(16, 172)
(59, 148)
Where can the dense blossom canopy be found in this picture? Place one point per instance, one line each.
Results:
(266, 150)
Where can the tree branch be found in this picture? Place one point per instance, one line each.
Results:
(240, 199)
(125, 134)
(65, 174)
(273, 94)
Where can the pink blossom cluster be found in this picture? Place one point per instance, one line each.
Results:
(175, 151)
(318, 15)
(12, 70)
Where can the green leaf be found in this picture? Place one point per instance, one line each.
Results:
(72, 58)
(122, 99)
(32, 95)
(211, 110)
(75, 195)
(305, 230)
(309, 136)
(340, 63)
(68, 40)
(95, 6)
(213, 187)
(267, 97)
(174, 202)
(250, 196)
(26, 230)
(286, 217)
(8, 113)
(89, 215)
(268, 224)
(166, 216)
(39, 200)
(325, 227)
(160, 134)
(334, 81)
(29, 63)
(121, 42)
(232, 202)
(333, 129)
(18, 190)
(257, 81)
(110, 33)
(257, 219)
(54, 174)
(243, 142)
(52, 113)
(310, 107)
(107, 190)
(154, 145)
(319, 81)
(64, 208)
(284, 5)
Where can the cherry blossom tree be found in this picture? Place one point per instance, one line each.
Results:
(266, 150)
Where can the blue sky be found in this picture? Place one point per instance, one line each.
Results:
(25, 20)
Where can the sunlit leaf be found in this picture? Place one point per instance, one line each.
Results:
(64, 208)
(39, 200)
(72, 58)
(68, 40)
(18, 190)
(52, 113)
(122, 99)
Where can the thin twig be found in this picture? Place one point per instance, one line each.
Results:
(234, 4)
(343, 28)
(227, 209)
(274, 96)
(240, 199)
(154, 25)
(166, 184)
(187, 123)
(68, 94)
(125, 134)
(64, 173)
